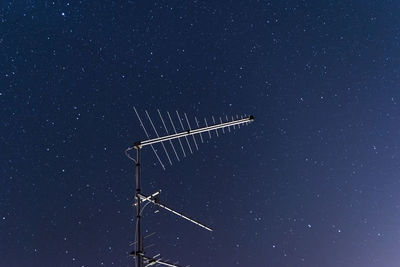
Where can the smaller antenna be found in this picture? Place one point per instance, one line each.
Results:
(153, 199)
(149, 261)
(147, 236)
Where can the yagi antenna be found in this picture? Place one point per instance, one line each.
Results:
(142, 260)
(150, 261)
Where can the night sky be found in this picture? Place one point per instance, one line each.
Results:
(313, 182)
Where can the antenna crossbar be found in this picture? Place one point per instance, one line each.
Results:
(193, 132)
(152, 200)
(166, 130)
(180, 142)
(153, 261)
(197, 122)
(187, 141)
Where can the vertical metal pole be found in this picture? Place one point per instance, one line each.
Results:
(139, 250)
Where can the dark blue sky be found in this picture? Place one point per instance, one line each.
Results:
(313, 182)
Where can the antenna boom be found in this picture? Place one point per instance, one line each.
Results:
(193, 132)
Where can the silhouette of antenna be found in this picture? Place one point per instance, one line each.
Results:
(183, 136)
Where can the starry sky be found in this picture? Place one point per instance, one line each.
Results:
(313, 182)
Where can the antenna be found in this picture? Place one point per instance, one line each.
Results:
(142, 260)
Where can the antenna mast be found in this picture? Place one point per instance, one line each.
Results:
(138, 253)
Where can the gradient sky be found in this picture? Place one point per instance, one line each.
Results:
(313, 182)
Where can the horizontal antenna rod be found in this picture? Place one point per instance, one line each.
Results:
(152, 261)
(150, 198)
(193, 132)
